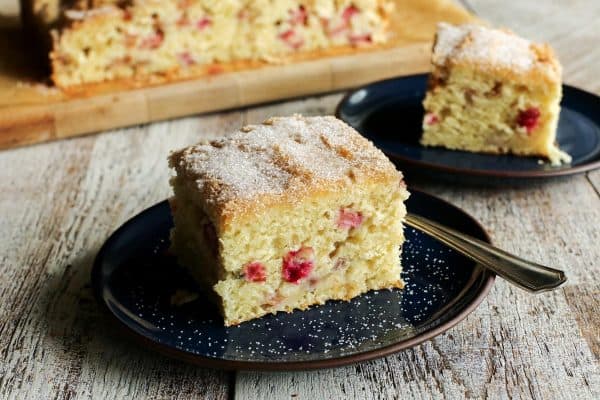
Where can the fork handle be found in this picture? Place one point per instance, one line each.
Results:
(525, 274)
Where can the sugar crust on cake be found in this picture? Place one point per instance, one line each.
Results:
(499, 50)
(278, 161)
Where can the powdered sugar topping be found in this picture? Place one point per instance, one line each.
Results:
(478, 44)
(281, 155)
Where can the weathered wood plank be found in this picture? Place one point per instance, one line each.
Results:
(27, 177)
(594, 178)
(584, 300)
(59, 204)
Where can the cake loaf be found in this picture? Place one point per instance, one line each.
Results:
(287, 214)
(105, 40)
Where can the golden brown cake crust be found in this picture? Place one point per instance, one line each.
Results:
(498, 51)
(278, 162)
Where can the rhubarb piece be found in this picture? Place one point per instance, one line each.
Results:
(349, 219)
(529, 118)
(298, 264)
(431, 119)
(255, 272)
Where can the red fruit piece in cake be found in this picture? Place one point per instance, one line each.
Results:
(292, 38)
(287, 35)
(255, 272)
(299, 16)
(348, 13)
(360, 39)
(529, 118)
(153, 41)
(348, 219)
(186, 59)
(298, 264)
(203, 23)
(431, 119)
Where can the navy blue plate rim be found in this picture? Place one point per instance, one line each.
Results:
(486, 276)
(411, 162)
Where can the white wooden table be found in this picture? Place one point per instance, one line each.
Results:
(60, 201)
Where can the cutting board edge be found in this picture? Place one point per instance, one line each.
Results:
(28, 124)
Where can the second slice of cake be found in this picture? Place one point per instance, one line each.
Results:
(287, 214)
(491, 91)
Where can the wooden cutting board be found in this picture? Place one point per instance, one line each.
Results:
(32, 111)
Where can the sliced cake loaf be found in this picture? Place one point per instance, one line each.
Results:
(492, 91)
(287, 214)
(106, 40)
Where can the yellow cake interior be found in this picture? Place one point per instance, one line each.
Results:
(478, 113)
(348, 262)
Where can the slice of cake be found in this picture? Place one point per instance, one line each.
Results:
(494, 92)
(106, 40)
(287, 214)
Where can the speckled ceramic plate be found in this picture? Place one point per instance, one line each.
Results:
(135, 279)
(389, 113)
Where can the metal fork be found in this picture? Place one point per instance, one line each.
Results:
(525, 274)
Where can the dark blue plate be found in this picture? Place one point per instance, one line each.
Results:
(134, 278)
(389, 113)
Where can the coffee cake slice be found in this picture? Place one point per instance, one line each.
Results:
(491, 91)
(287, 214)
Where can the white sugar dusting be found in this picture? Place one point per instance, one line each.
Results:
(282, 154)
(478, 44)
(237, 170)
